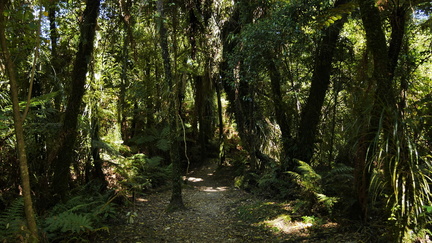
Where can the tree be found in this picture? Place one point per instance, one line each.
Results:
(176, 202)
(19, 130)
(311, 113)
(386, 145)
(63, 154)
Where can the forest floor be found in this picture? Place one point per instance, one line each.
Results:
(218, 212)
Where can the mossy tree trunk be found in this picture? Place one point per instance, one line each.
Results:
(18, 119)
(311, 114)
(176, 202)
(384, 109)
(63, 153)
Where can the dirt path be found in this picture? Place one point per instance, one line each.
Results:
(211, 202)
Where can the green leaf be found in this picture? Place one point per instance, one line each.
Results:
(163, 144)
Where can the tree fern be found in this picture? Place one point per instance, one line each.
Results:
(154, 137)
(141, 172)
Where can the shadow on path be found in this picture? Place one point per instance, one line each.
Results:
(211, 214)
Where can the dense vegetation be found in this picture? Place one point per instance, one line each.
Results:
(325, 103)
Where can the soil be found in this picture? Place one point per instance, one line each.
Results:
(212, 215)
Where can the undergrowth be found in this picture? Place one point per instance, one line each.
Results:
(141, 173)
(76, 220)
(80, 217)
(12, 222)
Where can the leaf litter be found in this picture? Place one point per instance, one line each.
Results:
(213, 214)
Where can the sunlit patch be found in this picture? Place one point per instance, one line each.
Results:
(142, 200)
(194, 179)
(286, 226)
(214, 189)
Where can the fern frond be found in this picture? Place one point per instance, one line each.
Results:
(341, 169)
(165, 132)
(68, 222)
(12, 220)
(163, 144)
(13, 212)
(154, 161)
(307, 171)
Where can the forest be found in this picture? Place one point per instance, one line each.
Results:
(324, 106)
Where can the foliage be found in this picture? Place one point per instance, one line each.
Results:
(314, 189)
(270, 184)
(402, 174)
(79, 217)
(68, 222)
(12, 222)
(126, 104)
(154, 137)
(141, 173)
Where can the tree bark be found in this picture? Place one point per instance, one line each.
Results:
(279, 108)
(63, 153)
(239, 92)
(19, 131)
(176, 202)
(311, 113)
(384, 106)
(127, 40)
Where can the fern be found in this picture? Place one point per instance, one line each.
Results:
(154, 137)
(69, 222)
(163, 144)
(339, 180)
(141, 172)
(307, 178)
(12, 221)
(79, 216)
(312, 186)
(270, 185)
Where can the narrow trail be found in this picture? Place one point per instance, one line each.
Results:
(211, 202)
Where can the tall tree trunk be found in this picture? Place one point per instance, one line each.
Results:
(384, 106)
(127, 40)
(19, 130)
(176, 202)
(63, 153)
(241, 94)
(281, 117)
(311, 113)
(203, 83)
(218, 88)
